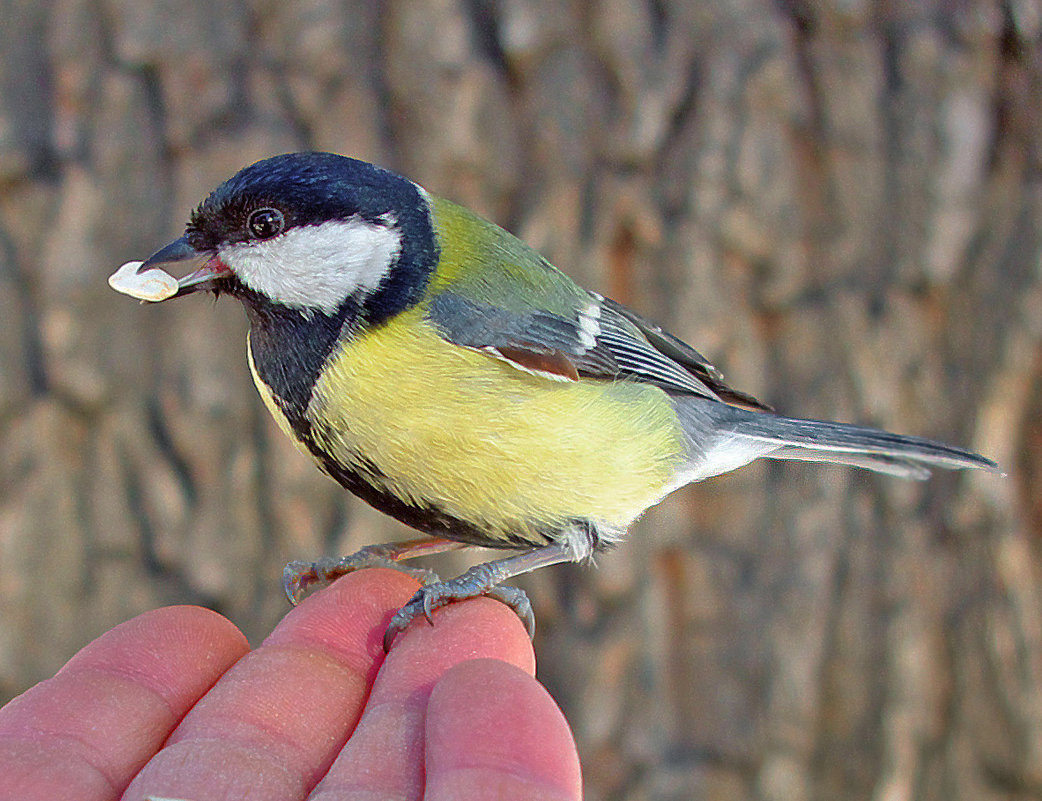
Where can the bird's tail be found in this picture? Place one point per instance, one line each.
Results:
(723, 437)
(858, 446)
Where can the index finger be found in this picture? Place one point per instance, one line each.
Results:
(275, 721)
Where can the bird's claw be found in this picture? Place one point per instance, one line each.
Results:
(299, 577)
(433, 596)
(517, 600)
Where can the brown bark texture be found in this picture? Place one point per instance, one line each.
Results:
(838, 202)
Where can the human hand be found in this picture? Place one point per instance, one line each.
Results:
(174, 704)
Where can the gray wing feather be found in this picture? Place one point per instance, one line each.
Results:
(618, 350)
(663, 341)
(639, 359)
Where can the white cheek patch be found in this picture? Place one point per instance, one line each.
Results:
(318, 266)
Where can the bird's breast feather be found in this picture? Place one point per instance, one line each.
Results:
(484, 441)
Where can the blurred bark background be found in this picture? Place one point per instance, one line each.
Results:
(837, 201)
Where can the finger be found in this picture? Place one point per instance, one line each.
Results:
(90, 728)
(384, 758)
(273, 724)
(494, 732)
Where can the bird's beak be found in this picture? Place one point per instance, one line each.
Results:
(203, 268)
(152, 280)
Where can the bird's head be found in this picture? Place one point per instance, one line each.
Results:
(305, 232)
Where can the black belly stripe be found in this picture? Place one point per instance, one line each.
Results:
(428, 518)
(362, 479)
(291, 380)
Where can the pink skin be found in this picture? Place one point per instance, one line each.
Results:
(174, 704)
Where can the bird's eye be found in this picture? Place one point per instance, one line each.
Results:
(265, 223)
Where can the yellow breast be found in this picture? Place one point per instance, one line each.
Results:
(487, 443)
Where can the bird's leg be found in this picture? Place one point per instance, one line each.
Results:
(299, 577)
(482, 580)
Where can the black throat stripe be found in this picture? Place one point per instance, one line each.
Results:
(290, 350)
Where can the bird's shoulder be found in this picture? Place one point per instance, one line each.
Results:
(486, 263)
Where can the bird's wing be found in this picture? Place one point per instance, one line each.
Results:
(601, 339)
(496, 294)
(680, 353)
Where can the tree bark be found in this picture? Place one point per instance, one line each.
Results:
(838, 202)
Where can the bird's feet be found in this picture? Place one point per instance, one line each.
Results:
(479, 580)
(483, 579)
(299, 577)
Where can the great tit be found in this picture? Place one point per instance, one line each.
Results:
(443, 371)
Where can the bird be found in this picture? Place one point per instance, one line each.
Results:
(444, 372)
